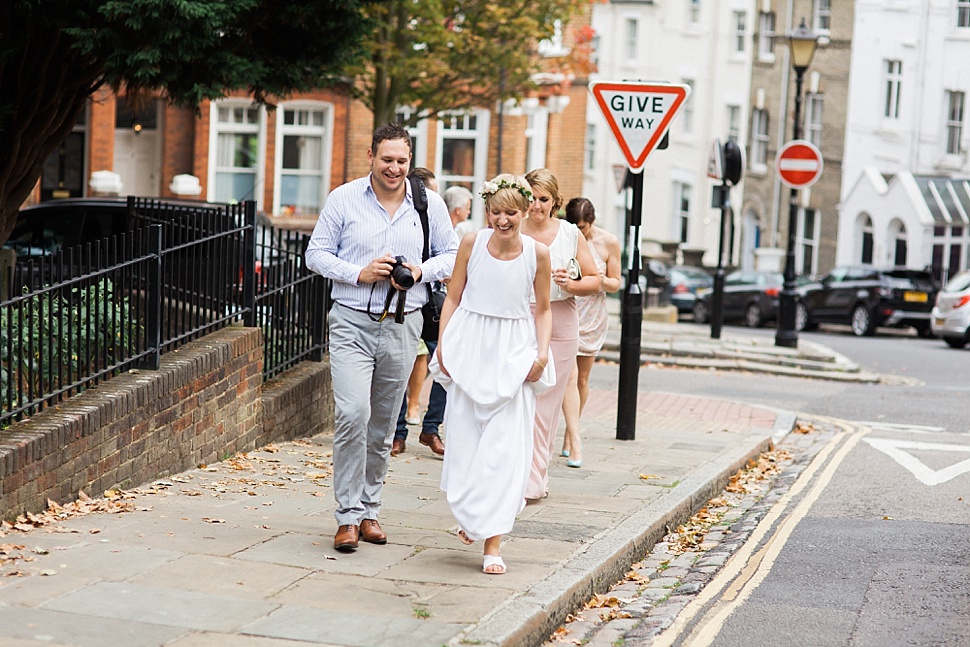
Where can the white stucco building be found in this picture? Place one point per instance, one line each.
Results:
(701, 43)
(904, 201)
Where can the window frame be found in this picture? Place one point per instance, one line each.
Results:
(682, 217)
(694, 12)
(217, 127)
(766, 37)
(962, 14)
(822, 17)
(953, 123)
(631, 38)
(814, 118)
(760, 139)
(893, 87)
(324, 131)
(479, 135)
(805, 244)
(740, 32)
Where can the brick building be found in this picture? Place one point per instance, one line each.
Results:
(289, 158)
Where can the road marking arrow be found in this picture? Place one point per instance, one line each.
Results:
(895, 449)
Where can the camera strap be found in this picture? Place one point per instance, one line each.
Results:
(398, 312)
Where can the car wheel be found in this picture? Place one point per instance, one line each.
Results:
(752, 316)
(862, 322)
(925, 331)
(801, 317)
(958, 342)
(701, 313)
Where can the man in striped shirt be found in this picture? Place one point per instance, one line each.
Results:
(363, 226)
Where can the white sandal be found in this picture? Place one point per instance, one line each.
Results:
(464, 538)
(493, 560)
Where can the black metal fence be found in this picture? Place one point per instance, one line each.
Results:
(82, 315)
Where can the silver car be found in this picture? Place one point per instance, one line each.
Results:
(951, 314)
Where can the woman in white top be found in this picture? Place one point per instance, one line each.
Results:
(566, 247)
(492, 358)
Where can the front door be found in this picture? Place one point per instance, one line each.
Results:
(138, 149)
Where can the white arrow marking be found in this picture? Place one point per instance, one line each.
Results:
(926, 475)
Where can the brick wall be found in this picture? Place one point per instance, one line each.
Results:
(207, 401)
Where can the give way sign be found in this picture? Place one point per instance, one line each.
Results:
(638, 114)
(799, 164)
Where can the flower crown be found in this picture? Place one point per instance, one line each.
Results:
(489, 188)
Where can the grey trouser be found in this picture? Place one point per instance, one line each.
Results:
(369, 364)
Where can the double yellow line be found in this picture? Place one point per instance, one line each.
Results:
(748, 567)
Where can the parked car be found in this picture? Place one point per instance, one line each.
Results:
(684, 282)
(48, 227)
(750, 296)
(951, 314)
(865, 297)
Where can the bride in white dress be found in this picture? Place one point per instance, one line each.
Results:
(492, 356)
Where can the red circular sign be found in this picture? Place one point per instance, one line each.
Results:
(799, 164)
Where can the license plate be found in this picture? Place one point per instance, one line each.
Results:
(915, 297)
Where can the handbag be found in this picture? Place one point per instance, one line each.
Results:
(436, 297)
(573, 270)
(432, 314)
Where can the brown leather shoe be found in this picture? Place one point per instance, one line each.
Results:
(346, 538)
(434, 442)
(370, 531)
(397, 447)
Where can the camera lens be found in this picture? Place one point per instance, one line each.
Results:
(402, 275)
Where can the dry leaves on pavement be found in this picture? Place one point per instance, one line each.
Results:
(689, 537)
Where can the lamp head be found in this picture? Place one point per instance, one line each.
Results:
(802, 43)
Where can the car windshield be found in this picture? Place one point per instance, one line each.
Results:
(958, 283)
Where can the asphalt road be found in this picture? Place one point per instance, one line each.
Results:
(871, 546)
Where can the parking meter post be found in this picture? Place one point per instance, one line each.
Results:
(631, 320)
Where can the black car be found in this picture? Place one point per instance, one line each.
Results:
(750, 296)
(48, 227)
(865, 297)
(684, 282)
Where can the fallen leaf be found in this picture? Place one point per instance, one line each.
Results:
(647, 477)
(212, 520)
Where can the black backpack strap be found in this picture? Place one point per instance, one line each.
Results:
(420, 196)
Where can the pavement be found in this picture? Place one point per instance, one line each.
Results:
(241, 553)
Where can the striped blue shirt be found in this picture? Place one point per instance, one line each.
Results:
(354, 229)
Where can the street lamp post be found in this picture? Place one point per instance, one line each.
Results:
(801, 43)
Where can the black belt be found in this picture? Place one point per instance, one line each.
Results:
(406, 312)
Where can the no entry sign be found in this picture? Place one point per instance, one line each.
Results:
(799, 164)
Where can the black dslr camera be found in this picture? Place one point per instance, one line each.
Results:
(401, 275)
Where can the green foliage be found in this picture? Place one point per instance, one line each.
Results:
(436, 55)
(54, 339)
(55, 53)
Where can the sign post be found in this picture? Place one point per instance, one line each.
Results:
(638, 115)
(799, 165)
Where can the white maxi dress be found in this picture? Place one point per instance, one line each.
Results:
(488, 348)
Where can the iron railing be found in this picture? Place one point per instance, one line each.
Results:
(82, 315)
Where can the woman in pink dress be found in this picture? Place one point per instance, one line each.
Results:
(593, 320)
(566, 248)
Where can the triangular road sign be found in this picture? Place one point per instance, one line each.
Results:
(895, 449)
(639, 114)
